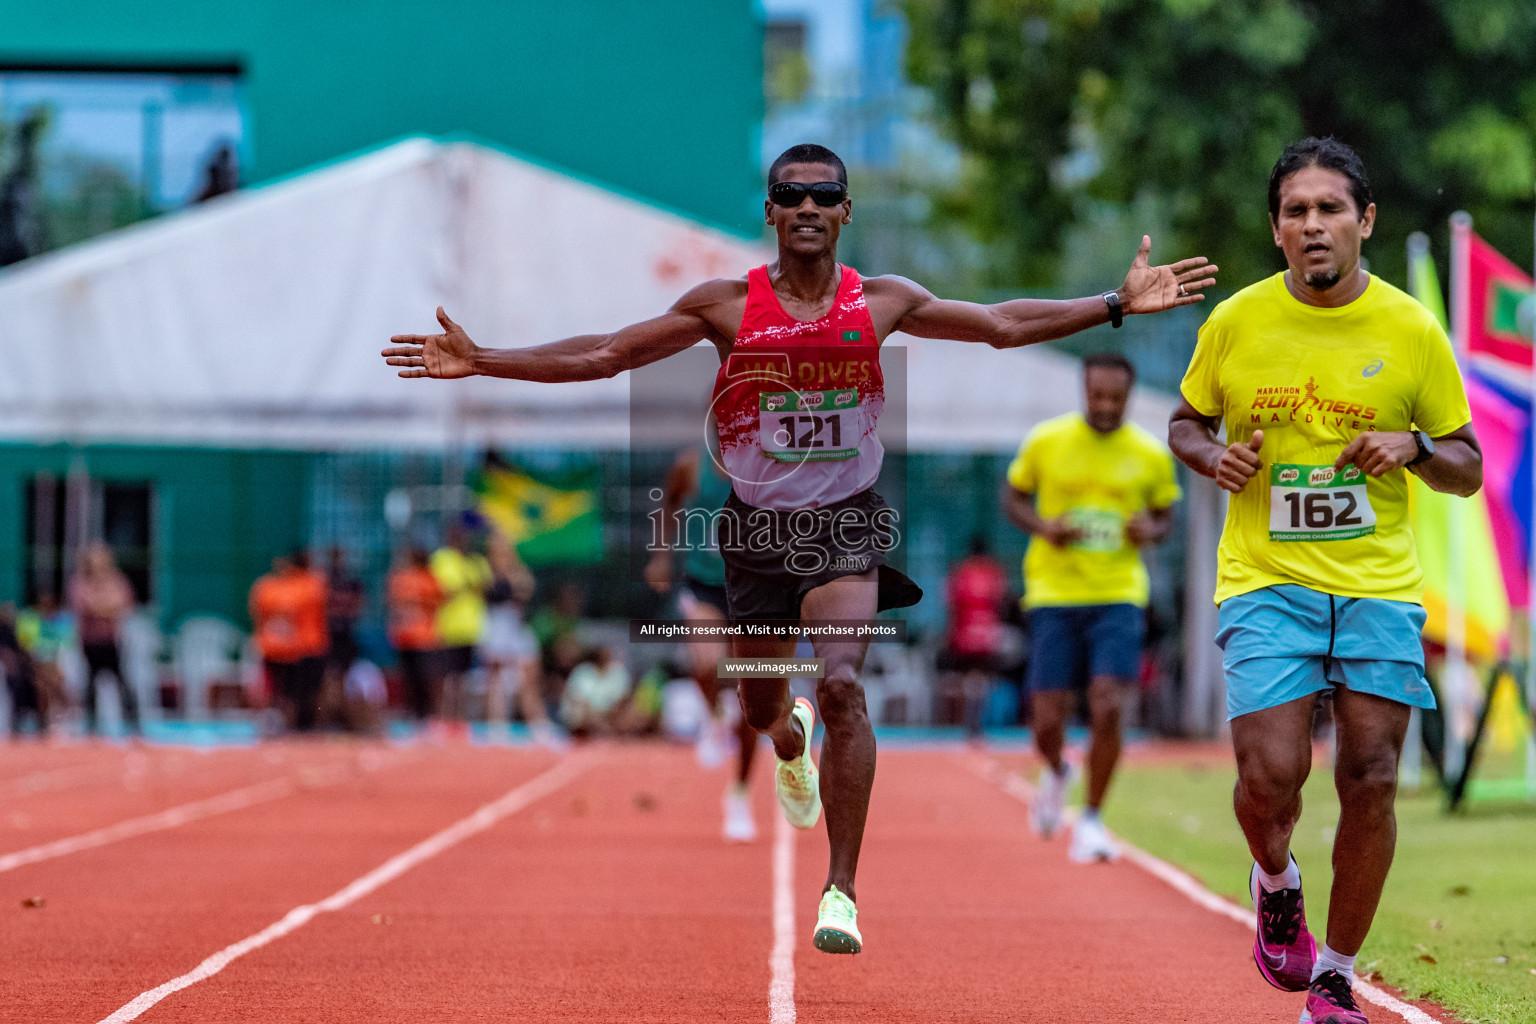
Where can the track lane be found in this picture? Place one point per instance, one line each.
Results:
(613, 900)
(968, 917)
(53, 805)
(123, 918)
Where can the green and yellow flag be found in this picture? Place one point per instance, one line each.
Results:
(551, 518)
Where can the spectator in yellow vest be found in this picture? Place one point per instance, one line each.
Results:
(464, 576)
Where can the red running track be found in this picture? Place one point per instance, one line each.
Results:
(608, 898)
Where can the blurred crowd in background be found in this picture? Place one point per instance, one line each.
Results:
(472, 641)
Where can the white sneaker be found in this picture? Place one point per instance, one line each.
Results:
(796, 782)
(1050, 793)
(710, 748)
(1091, 842)
(739, 825)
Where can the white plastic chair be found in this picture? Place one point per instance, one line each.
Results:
(140, 643)
(207, 651)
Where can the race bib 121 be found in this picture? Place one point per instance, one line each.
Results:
(1318, 503)
(804, 426)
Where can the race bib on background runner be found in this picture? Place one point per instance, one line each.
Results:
(1318, 503)
(809, 426)
(1103, 529)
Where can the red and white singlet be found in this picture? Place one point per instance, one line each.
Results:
(797, 401)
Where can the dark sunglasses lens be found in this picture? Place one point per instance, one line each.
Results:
(828, 193)
(788, 193)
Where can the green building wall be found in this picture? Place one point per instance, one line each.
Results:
(220, 516)
(661, 98)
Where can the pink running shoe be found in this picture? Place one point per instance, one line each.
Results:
(1331, 1000)
(1283, 949)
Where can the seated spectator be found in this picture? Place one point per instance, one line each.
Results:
(364, 696)
(594, 694)
(20, 679)
(46, 631)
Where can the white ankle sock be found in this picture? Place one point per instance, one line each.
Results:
(1290, 878)
(1328, 960)
(1089, 814)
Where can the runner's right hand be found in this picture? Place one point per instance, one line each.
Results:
(1239, 463)
(447, 355)
(1060, 533)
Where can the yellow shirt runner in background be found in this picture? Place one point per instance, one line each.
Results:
(464, 580)
(1098, 481)
(1313, 378)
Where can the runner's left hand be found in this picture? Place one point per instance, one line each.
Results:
(1376, 452)
(1149, 289)
(1141, 530)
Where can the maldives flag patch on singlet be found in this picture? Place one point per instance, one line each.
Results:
(797, 401)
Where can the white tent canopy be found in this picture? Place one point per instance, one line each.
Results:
(256, 319)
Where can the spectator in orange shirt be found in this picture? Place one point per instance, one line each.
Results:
(288, 611)
(414, 597)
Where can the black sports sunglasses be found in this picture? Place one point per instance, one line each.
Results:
(793, 193)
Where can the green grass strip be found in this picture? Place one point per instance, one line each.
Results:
(1457, 922)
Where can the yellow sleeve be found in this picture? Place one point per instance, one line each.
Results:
(1441, 404)
(1201, 386)
(1024, 470)
(1164, 489)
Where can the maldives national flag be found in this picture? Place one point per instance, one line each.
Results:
(1496, 288)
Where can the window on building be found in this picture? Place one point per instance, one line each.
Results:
(84, 151)
(63, 515)
(786, 68)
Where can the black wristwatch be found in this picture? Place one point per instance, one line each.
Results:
(1112, 300)
(1426, 446)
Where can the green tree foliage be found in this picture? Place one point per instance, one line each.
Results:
(1063, 106)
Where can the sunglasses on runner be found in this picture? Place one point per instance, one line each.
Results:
(793, 193)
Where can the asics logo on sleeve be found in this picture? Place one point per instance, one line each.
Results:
(1372, 370)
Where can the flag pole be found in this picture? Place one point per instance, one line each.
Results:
(1455, 684)
(1412, 762)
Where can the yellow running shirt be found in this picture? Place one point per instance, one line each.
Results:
(1098, 481)
(464, 580)
(1313, 379)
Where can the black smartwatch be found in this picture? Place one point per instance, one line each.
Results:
(1112, 300)
(1426, 445)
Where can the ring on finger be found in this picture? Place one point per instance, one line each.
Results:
(1182, 291)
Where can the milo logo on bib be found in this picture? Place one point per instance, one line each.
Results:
(1318, 503)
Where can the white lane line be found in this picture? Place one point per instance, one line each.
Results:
(781, 963)
(234, 800)
(57, 778)
(489, 814)
(305, 777)
(1020, 790)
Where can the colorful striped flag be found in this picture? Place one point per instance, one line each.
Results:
(1436, 517)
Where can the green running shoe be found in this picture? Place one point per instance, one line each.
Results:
(837, 924)
(796, 781)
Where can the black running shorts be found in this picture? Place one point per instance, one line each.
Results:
(773, 557)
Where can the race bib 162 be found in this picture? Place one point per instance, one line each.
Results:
(1318, 503)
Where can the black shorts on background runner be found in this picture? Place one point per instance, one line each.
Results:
(764, 583)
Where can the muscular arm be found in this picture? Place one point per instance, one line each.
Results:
(1455, 468)
(1192, 438)
(453, 354)
(1018, 322)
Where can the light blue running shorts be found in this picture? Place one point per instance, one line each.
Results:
(1283, 642)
